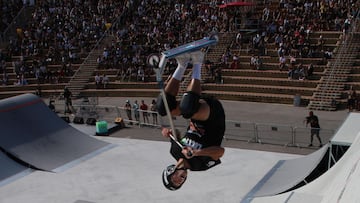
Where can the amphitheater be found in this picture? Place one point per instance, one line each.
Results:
(325, 90)
(267, 157)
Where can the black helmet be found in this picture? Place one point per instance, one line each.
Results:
(166, 177)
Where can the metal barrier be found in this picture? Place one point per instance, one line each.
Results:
(269, 133)
(244, 131)
(275, 134)
(145, 118)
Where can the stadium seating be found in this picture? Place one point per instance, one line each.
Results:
(244, 83)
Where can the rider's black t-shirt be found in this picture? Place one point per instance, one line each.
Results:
(202, 134)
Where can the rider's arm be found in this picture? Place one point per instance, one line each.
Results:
(215, 152)
(166, 132)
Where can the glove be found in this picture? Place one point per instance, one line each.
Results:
(197, 57)
(183, 60)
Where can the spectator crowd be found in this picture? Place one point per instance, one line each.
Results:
(63, 32)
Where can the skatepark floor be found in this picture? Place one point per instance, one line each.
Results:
(243, 112)
(130, 171)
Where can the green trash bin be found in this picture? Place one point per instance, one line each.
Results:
(101, 128)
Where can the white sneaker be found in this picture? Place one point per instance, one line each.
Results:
(183, 59)
(197, 57)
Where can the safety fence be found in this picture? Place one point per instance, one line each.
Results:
(274, 133)
(266, 133)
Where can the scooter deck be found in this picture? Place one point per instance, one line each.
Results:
(186, 48)
(189, 47)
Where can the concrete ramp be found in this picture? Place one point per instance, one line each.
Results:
(287, 174)
(131, 173)
(348, 131)
(341, 184)
(345, 136)
(10, 169)
(32, 133)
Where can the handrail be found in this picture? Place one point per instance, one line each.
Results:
(340, 60)
(96, 46)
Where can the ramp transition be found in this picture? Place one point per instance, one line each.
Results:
(34, 134)
(10, 169)
(287, 174)
(338, 185)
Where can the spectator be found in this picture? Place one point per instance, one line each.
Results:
(328, 54)
(128, 110)
(100, 62)
(253, 61)
(238, 40)
(68, 102)
(346, 29)
(136, 111)
(144, 109)
(291, 72)
(105, 81)
(224, 58)
(218, 75)
(38, 91)
(235, 63)
(310, 71)
(258, 63)
(292, 60)
(301, 72)
(141, 74)
(266, 14)
(282, 63)
(320, 43)
(278, 42)
(352, 99)
(154, 112)
(97, 81)
(21, 80)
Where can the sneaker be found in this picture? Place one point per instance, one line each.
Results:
(310, 145)
(197, 57)
(183, 59)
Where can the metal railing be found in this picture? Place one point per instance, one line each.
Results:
(108, 32)
(273, 133)
(264, 133)
(335, 73)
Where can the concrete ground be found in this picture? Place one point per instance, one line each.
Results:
(244, 112)
(131, 170)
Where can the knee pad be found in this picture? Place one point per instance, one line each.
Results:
(189, 104)
(160, 105)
